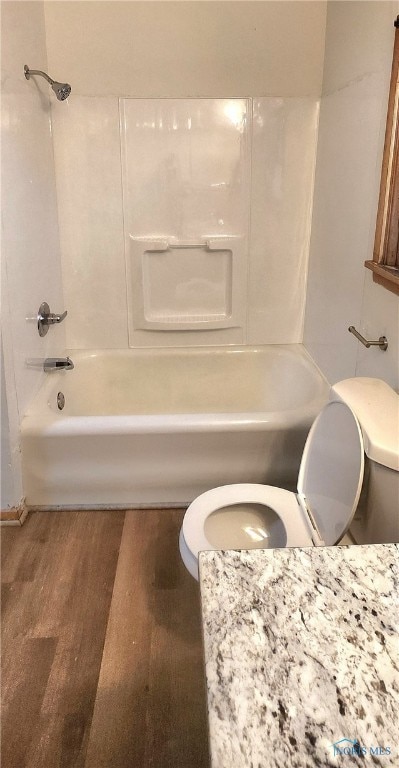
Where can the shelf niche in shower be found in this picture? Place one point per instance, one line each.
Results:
(190, 285)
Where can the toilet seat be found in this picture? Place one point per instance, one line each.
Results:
(283, 502)
(329, 485)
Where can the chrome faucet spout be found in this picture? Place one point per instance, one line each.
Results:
(57, 364)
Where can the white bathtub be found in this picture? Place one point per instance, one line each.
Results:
(158, 427)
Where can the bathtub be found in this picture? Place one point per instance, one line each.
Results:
(157, 427)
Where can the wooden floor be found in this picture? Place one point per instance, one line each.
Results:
(101, 644)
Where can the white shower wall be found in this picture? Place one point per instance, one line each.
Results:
(185, 179)
(251, 177)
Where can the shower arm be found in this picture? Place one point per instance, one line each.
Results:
(29, 72)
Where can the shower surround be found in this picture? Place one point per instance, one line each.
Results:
(181, 172)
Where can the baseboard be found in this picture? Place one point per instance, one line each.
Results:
(105, 507)
(14, 515)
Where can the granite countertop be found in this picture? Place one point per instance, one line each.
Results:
(302, 653)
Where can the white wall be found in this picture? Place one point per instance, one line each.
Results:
(179, 49)
(341, 292)
(30, 242)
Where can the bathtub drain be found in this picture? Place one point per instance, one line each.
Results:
(60, 400)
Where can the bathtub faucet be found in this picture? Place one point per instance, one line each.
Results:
(58, 363)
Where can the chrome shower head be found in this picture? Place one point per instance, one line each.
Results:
(61, 90)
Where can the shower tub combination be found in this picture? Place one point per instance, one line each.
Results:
(157, 427)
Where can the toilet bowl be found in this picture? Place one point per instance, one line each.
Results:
(248, 516)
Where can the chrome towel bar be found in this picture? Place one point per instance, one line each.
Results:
(382, 342)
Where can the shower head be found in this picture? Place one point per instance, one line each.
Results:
(61, 90)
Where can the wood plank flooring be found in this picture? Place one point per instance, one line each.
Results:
(101, 644)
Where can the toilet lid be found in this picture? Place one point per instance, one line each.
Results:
(331, 471)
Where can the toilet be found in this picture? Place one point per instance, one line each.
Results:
(356, 430)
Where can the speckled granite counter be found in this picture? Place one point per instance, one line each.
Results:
(302, 653)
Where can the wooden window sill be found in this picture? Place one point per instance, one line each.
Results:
(386, 276)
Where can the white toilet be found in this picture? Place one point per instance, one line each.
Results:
(248, 515)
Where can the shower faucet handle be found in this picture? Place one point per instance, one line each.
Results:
(46, 318)
(53, 318)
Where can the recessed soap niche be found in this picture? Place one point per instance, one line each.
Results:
(186, 285)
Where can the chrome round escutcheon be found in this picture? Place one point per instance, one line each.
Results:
(42, 318)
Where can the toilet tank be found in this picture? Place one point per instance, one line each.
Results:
(376, 406)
